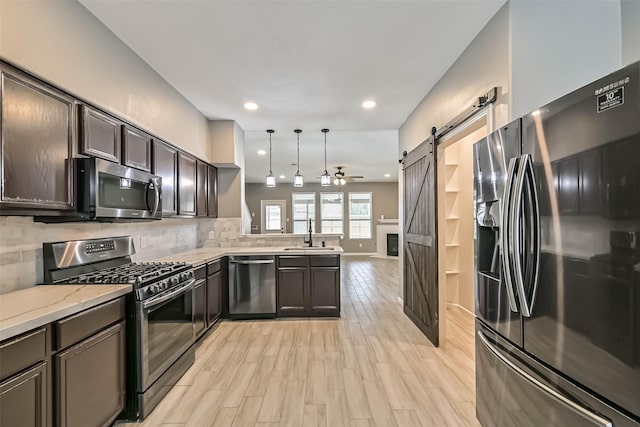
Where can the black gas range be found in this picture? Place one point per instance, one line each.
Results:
(160, 315)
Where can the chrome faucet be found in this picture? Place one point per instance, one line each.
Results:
(310, 241)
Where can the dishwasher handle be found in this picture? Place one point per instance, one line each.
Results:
(255, 261)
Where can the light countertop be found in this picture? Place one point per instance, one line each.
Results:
(26, 309)
(201, 256)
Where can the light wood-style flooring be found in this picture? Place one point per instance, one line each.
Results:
(371, 367)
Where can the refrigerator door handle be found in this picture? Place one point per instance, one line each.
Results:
(504, 235)
(535, 212)
(525, 174)
(516, 238)
(585, 413)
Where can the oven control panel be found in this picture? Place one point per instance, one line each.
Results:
(103, 246)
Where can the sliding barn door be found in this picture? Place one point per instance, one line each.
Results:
(420, 242)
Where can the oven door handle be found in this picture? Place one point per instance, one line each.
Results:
(162, 298)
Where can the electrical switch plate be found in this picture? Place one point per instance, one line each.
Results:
(212, 235)
(143, 242)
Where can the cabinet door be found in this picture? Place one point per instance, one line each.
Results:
(199, 305)
(37, 142)
(101, 135)
(201, 188)
(137, 149)
(324, 291)
(90, 378)
(165, 165)
(186, 184)
(214, 286)
(292, 291)
(212, 192)
(23, 399)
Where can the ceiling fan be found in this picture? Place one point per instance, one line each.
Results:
(342, 178)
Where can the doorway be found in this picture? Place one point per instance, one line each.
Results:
(456, 219)
(273, 213)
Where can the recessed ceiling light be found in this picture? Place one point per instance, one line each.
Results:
(282, 177)
(387, 175)
(251, 106)
(369, 104)
(262, 152)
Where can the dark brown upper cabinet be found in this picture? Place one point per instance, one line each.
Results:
(38, 139)
(201, 188)
(212, 192)
(137, 149)
(165, 165)
(186, 184)
(101, 135)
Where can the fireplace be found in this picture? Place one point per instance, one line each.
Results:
(392, 244)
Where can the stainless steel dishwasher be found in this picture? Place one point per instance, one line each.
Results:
(252, 286)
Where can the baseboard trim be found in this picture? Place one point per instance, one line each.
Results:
(453, 304)
(359, 253)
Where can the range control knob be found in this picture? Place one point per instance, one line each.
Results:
(174, 281)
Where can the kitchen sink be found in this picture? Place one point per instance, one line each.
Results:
(297, 248)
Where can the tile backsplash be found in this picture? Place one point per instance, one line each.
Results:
(21, 241)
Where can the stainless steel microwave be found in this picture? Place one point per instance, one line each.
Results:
(111, 192)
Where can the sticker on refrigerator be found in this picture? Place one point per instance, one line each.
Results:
(613, 98)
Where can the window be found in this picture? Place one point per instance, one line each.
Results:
(359, 215)
(304, 209)
(273, 215)
(331, 212)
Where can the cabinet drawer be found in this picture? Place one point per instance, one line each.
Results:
(214, 267)
(23, 351)
(82, 325)
(293, 261)
(200, 272)
(324, 261)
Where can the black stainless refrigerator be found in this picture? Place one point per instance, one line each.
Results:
(557, 197)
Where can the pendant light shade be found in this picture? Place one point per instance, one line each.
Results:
(325, 178)
(298, 180)
(271, 179)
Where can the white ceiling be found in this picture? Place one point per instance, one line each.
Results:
(307, 64)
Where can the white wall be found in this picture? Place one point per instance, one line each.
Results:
(483, 65)
(630, 11)
(558, 46)
(65, 44)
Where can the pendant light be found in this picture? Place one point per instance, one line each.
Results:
(325, 178)
(298, 180)
(271, 179)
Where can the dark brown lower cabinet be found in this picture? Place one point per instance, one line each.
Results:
(308, 285)
(324, 292)
(214, 288)
(90, 380)
(23, 398)
(200, 305)
(293, 284)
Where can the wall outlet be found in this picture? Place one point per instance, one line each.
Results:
(359, 245)
(212, 235)
(143, 242)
